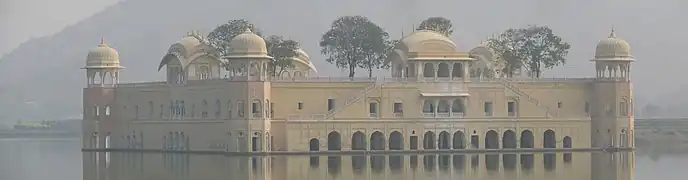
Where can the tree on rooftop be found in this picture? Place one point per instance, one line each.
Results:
(282, 52)
(376, 47)
(221, 36)
(438, 24)
(280, 49)
(507, 49)
(535, 47)
(544, 49)
(354, 41)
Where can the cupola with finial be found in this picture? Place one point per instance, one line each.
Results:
(613, 48)
(102, 56)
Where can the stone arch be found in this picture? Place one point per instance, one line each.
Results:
(314, 144)
(509, 139)
(429, 140)
(459, 141)
(458, 106)
(151, 109)
(444, 140)
(527, 139)
(256, 144)
(334, 141)
(204, 113)
(396, 141)
(256, 108)
(183, 141)
(491, 140)
(457, 70)
(218, 108)
(358, 141)
(377, 141)
(428, 107)
(549, 139)
(428, 70)
(443, 70)
(623, 138)
(567, 143)
(443, 106)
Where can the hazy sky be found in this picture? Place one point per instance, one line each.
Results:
(20, 20)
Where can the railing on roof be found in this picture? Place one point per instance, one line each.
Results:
(459, 79)
(359, 79)
(323, 79)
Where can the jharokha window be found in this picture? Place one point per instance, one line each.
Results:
(240, 108)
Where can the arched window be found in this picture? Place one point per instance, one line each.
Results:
(151, 109)
(241, 107)
(218, 108)
(204, 113)
(136, 112)
(182, 111)
(229, 109)
(256, 108)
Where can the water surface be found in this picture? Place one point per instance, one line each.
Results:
(40, 159)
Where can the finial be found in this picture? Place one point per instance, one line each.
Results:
(402, 32)
(613, 33)
(102, 40)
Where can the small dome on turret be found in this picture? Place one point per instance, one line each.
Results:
(102, 56)
(248, 44)
(613, 47)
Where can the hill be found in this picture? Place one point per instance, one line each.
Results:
(42, 79)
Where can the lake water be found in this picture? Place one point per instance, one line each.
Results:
(23, 159)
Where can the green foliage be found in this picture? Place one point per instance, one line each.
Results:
(544, 50)
(221, 36)
(355, 41)
(282, 52)
(534, 47)
(438, 24)
(508, 49)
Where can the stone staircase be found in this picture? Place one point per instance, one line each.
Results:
(508, 85)
(353, 99)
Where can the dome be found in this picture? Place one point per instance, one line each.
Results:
(102, 56)
(248, 44)
(613, 47)
(302, 57)
(427, 40)
(189, 42)
(301, 54)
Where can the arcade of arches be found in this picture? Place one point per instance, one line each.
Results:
(442, 140)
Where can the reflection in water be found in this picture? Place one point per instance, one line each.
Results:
(377, 163)
(550, 161)
(358, 163)
(134, 166)
(334, 164)
(429, 163)
(396, 163)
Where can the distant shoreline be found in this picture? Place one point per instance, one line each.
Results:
(37, 134)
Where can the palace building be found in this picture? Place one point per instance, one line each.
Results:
(437, 97)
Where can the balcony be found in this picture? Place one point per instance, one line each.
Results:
(398, 114)
(458, 114)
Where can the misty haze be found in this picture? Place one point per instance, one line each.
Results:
(172, 89)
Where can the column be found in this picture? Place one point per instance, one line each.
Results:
(451, 71)
(435, 67)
